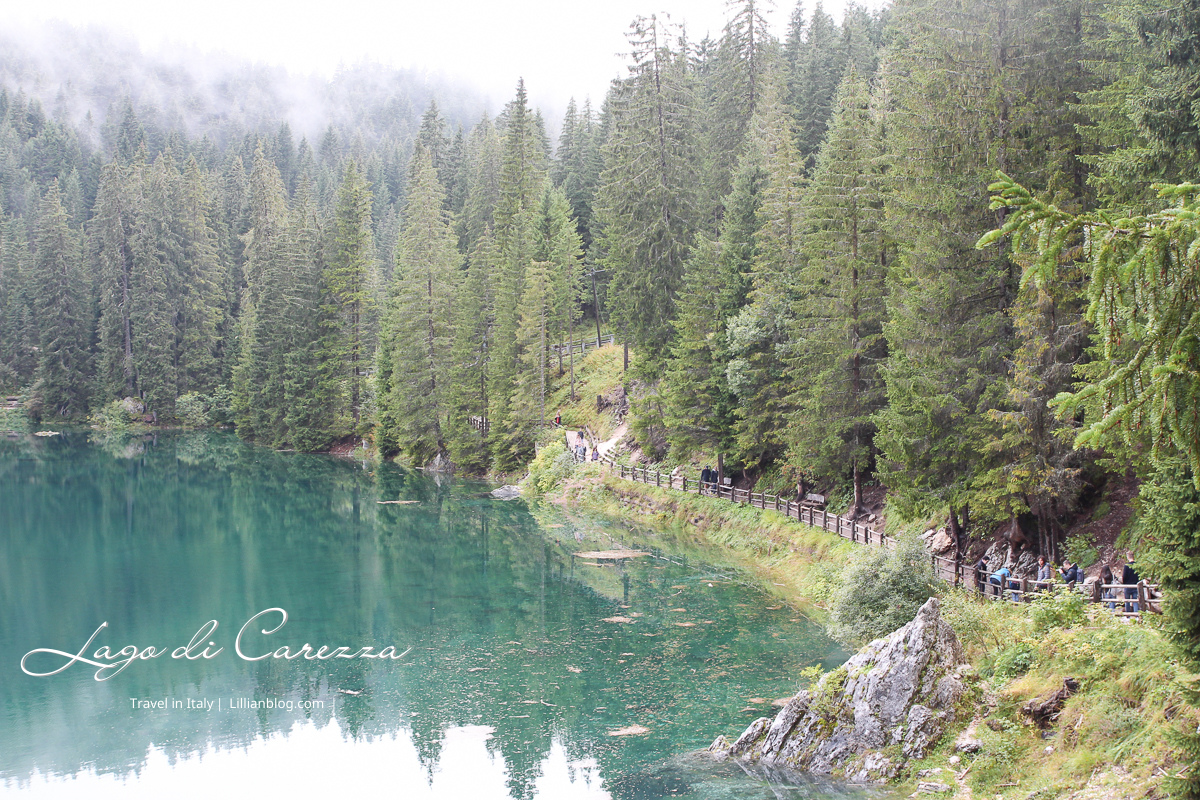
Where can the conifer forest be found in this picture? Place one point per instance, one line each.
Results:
(948, 247)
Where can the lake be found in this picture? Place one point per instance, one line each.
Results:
(522, 670)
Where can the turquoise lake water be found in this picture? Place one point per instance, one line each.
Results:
(521, 661)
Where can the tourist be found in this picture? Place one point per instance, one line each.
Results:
(595, 454)
(1107, 579)
(999, 579)
(558, 418)
(1071, 573)
(705, 477)
(1130, 578)
(981, 569)
(1045, 574)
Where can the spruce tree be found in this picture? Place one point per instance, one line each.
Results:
(647, 198)
(64, 312)
(417, 331)
(351, 279)
(840, 346)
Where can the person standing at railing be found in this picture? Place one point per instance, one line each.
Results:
(981, 571)
(558, 418)
(1107, 579)
(1071, 573)
(1045, 574)
(1130, 578)
(999, 579)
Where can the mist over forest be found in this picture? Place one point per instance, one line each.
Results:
(84, 75)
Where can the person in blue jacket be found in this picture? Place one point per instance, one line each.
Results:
(999, 579)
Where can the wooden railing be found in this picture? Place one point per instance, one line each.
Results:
(581, 346)
(950, 570)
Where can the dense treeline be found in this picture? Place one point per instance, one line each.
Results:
(784, 232)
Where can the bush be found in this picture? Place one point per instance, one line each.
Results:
(1081, 549)
(550, 466)
(1014, 662)
(192, 410)
(118, 415)
(1061, 608)
(881, 591)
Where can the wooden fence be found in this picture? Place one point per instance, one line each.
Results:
(581, 346)
(950, 570)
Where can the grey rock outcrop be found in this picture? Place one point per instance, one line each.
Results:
(507, 492)
(441, 464)
(899, 694)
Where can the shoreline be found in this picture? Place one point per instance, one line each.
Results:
(1017, 656)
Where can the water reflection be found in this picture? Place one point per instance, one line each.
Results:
(514, 683)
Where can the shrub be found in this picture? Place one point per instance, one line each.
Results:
(192, 410)
(1058, 609)
(550, 466)
(1014, 661)
(117, 415)
(1081, 549)
(881, 590)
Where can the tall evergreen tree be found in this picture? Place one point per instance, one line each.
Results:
(351, 278)
(647, 198)
(64, 312)
(417, 328)
(840, 347)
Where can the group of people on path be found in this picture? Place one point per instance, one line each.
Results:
(1070, 573)
(580, 449)
(708, 480)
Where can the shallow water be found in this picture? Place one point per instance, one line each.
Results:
(512, 685)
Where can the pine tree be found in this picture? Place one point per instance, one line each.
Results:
(467, 392)
(522, 179)
(350, 277)
(417, 334)
(839, 327)
(63, 310)
(646, 201)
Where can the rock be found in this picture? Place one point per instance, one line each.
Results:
(1026, 566)
(941, 542)
(507, 492)
(899, 692)
(719, 749)
(133, 406)
(954, 761)
(932, 787)
(441, 463)
(968, 741)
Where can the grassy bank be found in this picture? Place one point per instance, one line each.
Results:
(1112, 738)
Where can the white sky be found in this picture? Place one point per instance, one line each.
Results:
(562, 48)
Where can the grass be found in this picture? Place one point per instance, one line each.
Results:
(1119, 728)
(804, 562)
(597, 373)
(1129, 706)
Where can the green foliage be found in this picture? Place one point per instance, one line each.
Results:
(116, 416)
(553, 464)
(998, 759)
(1060, 608)
(1012, 662)
(192, 410)
(1081, 549)
(881, 591)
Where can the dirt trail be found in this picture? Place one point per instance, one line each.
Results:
(618, 434)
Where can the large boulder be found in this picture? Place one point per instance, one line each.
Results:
(899, 694)
(507, 492)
